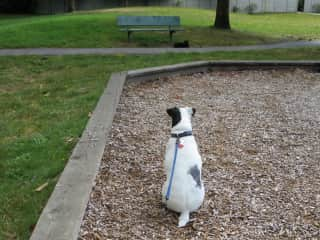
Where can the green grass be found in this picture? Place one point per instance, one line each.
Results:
(99, 29)
(45, 102)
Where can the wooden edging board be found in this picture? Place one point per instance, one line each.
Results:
(62, 216)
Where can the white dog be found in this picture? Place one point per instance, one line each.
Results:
(185, 193)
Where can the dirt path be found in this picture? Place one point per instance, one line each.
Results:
(112, 51)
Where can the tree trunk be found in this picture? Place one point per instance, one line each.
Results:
(222, 15)
(71, 5)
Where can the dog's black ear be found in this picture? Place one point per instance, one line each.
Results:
(175, 114)
(193, 112)
(172, 111)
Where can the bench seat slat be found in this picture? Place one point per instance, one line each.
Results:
(151, 29)
(148, 20)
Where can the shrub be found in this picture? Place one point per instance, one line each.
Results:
(16, 6)
(235, 9)
(251, 8)
(178, 3)
(316, 8)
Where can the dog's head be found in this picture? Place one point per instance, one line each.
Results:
(181, 118)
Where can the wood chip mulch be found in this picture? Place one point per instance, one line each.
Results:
(259, 136)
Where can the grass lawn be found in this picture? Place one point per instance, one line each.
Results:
(45, 103)
(98, 29)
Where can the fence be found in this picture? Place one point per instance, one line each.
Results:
(207, 4)
(59, 6)
(265, 5)
(311, 5)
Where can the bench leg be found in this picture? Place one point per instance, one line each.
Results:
(171, 33)
(129, 35)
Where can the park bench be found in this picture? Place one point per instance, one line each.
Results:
(132, 24)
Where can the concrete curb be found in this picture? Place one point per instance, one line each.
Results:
(203, 66)
(61, 218)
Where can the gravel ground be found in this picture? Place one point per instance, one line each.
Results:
(259, 137)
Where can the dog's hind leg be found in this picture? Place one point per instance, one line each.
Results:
(183, 219)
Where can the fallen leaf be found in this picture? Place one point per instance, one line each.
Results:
(46, 94)
(69, 139)
(40, 188)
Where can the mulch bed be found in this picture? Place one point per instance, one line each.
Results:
(259, 136)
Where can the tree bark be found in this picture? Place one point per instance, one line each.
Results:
(222, 15)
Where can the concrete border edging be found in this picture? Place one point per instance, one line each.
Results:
(62, 216)
(204, 66)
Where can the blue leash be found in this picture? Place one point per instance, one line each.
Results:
(172, 169)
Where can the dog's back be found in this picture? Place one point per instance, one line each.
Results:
(187, 188)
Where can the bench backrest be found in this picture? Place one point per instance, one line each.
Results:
(148, 21)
